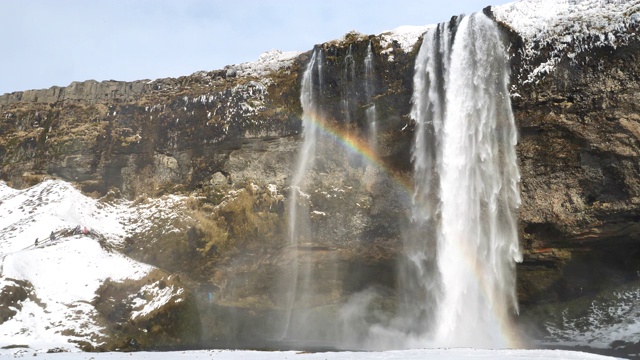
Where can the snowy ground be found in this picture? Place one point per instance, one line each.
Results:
(61, 276)
(434, 354)
(267, 62)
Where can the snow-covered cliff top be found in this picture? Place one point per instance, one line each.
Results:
(267, 62)
(568, 26)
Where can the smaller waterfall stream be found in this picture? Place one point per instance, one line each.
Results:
(371, 114)
(348, 91)
(298, 210)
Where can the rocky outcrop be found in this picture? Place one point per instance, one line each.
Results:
(89, 91)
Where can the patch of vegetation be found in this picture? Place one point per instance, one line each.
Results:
(213, 225)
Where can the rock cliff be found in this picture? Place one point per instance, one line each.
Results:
(229, 138)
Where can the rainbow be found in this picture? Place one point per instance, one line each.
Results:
(354, 143)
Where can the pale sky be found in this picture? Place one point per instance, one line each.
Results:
(46, 42)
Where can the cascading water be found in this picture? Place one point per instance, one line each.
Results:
(479, 189)
(348, 91)
(420, 287)
(298, 210)
(371, 114)
(460, 257)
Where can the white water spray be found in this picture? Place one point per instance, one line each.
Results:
(457, 273)
(479, 190)
(460, 255)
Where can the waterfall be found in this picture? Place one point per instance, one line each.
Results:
(348, 91)
(456, 275)
(419, 277)
(297, 207)
(457, 278)
(478, 246)
(369, 93)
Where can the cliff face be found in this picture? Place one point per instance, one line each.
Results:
(229, 138)
(578, 152)
(106, 134)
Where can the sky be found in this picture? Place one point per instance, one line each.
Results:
(46, 43)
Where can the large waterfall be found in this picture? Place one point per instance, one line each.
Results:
(456, 275)
(466, 191)
(457, 272)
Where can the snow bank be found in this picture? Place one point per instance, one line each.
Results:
(406, 36)
(159, 297)
(434, 354)
(65, 277)
(26, 215)
(568, 27)
(267, 62)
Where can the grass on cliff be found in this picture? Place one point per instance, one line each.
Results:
(213, 225)
(245, 218)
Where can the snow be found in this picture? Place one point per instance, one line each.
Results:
(568, 27)
(418, 354)
(46, 207)
(66, 272)
(406, 37)
(273, 189)
(65, 277)
(159, 297)
(267, 62)
(608, 319)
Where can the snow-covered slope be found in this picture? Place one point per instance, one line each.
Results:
(560, 28)
(58, 278)
(50, 206)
